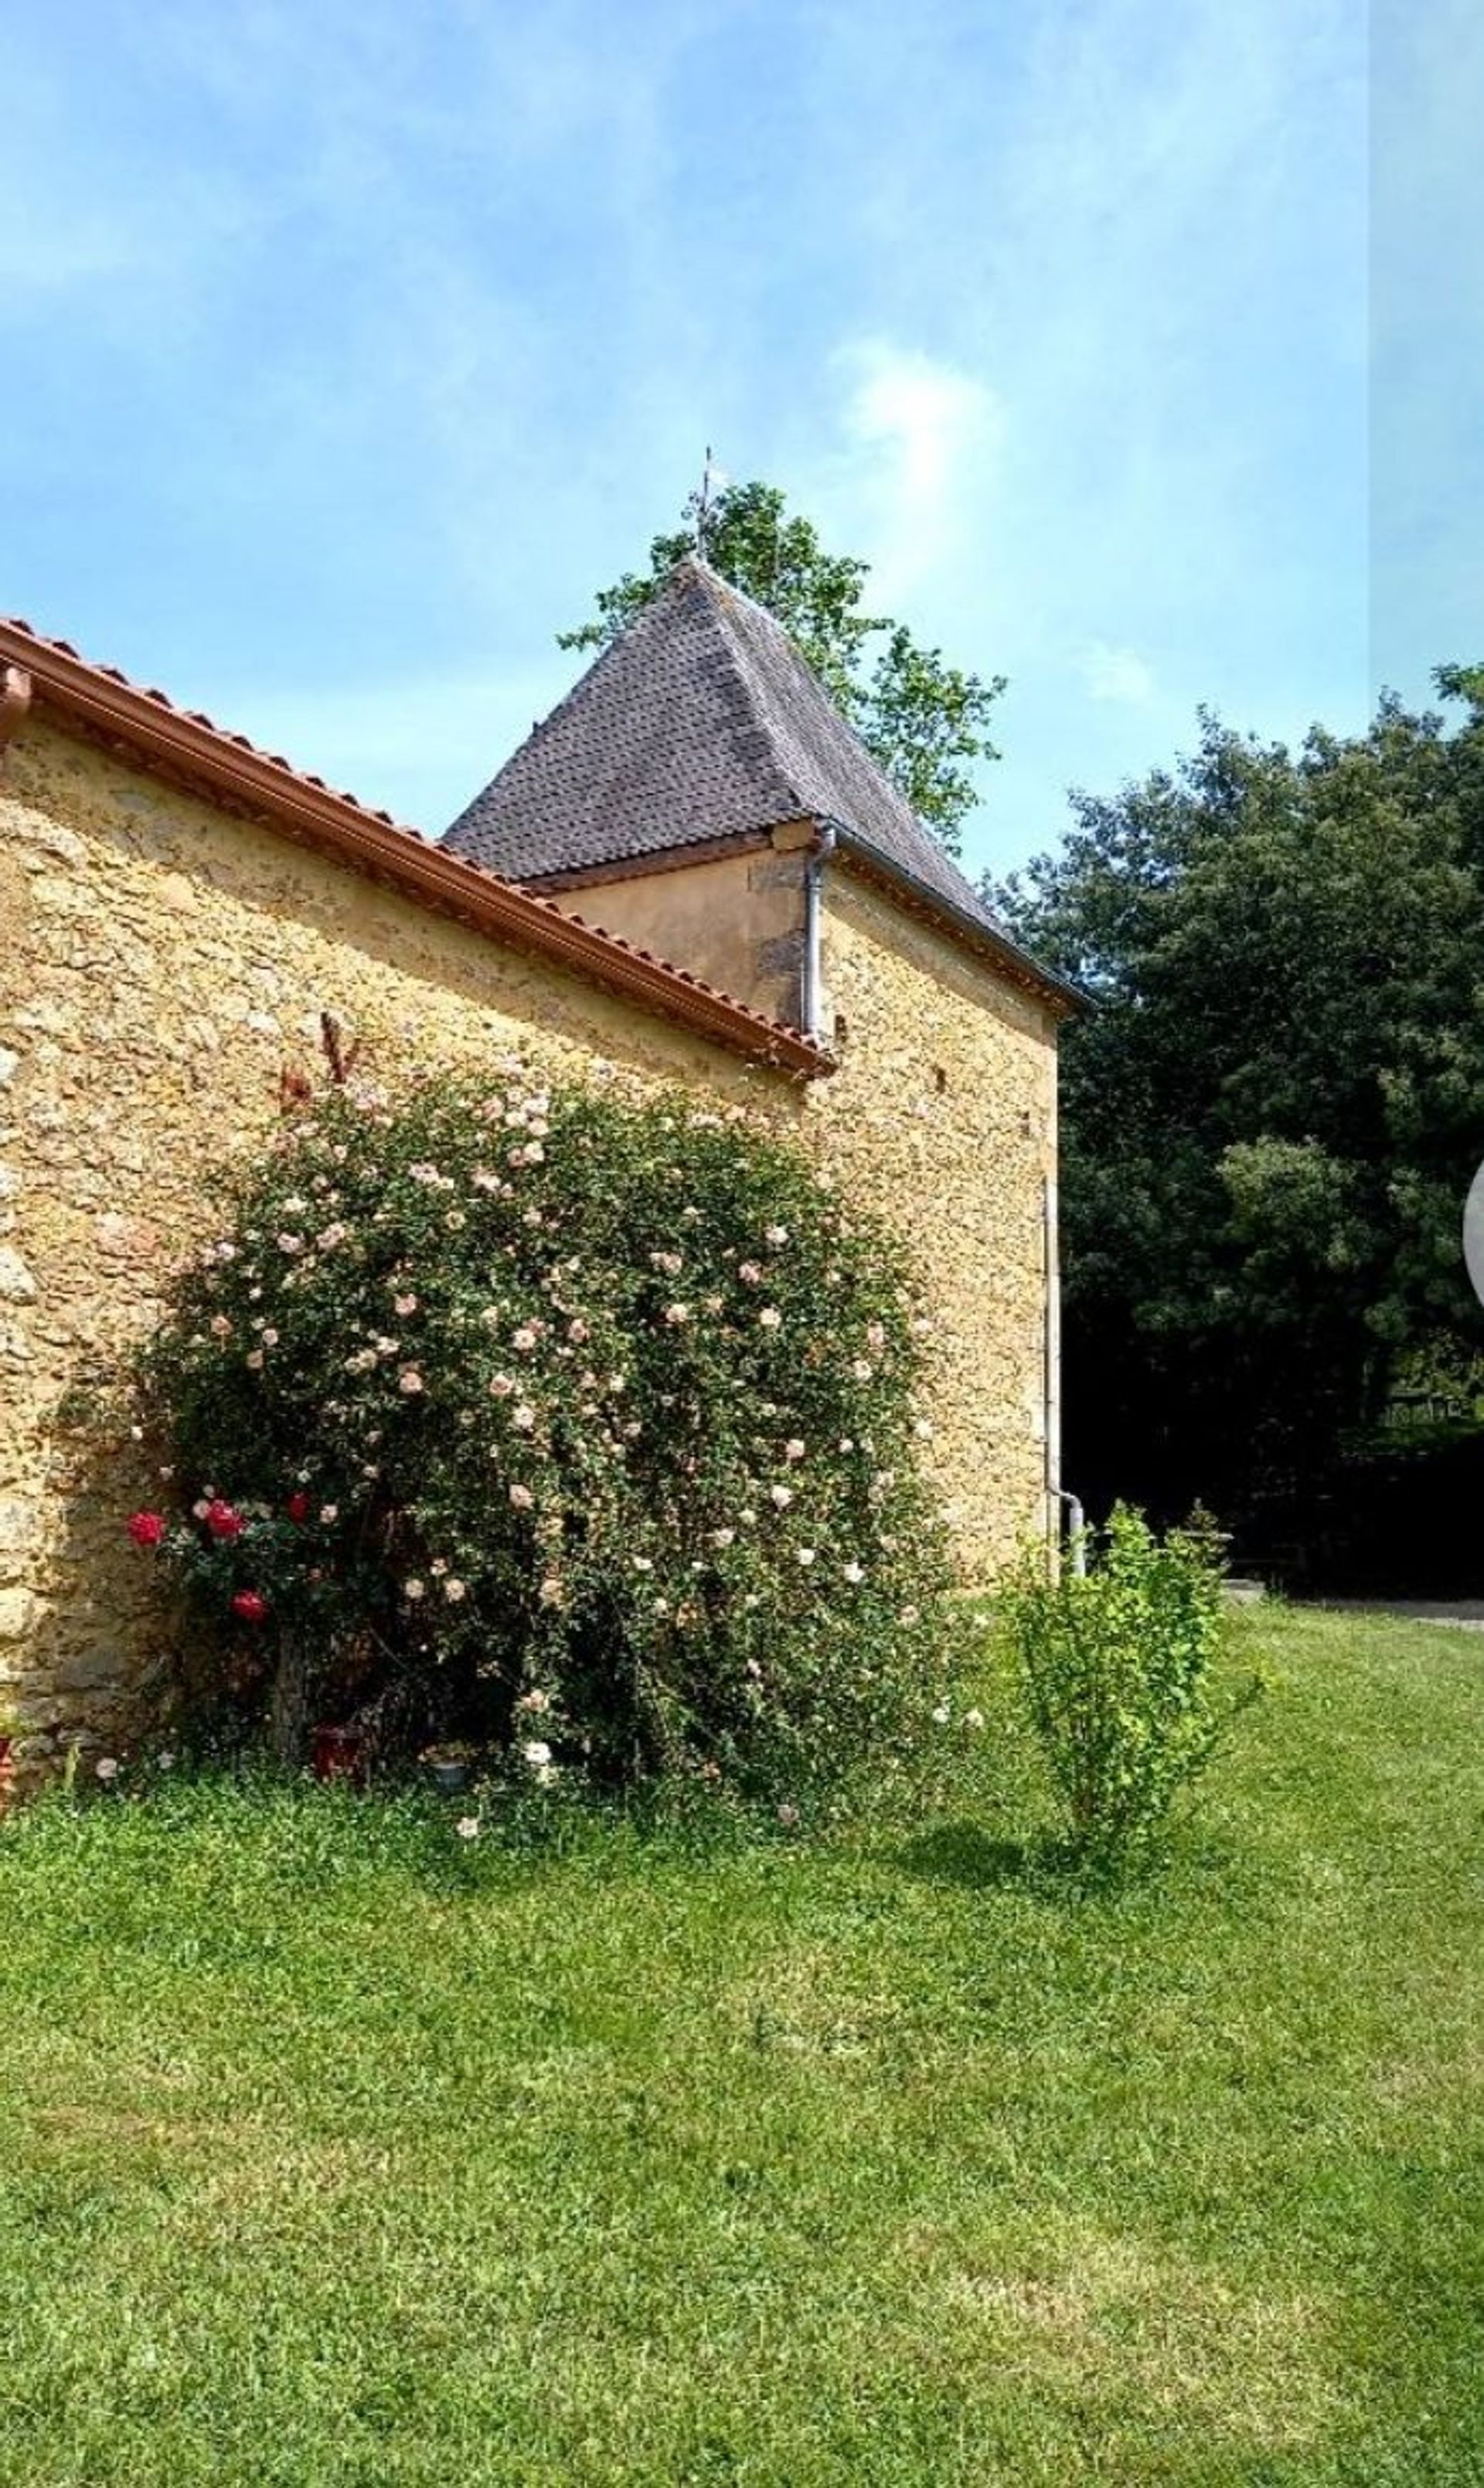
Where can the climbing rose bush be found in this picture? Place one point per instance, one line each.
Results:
(580, 1429)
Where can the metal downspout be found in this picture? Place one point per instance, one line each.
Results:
(814, 913)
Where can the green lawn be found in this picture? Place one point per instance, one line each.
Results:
(334, 2150)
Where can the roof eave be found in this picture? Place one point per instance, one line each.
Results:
(1059, 997)
(232, 772)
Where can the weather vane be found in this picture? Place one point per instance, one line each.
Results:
(709, 474)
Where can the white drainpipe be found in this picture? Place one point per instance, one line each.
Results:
(813, 1013)
(1058, 1501)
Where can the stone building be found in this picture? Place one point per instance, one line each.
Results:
(181, 913)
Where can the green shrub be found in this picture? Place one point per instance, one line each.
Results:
(581, 1429)
(1116, 1667)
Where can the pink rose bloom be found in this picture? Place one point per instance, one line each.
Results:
(409, 1380)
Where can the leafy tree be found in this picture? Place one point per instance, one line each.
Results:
(1276, 1102)
(924, 719)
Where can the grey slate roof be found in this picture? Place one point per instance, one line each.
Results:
(701, 721)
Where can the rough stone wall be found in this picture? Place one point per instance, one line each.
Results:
(943, 1111)
(738, 920)
(160, 963)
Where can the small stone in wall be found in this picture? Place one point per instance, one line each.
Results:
(15, 1281)
(117, 1232)
(17, 1608)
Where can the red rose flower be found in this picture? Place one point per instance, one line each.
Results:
(222, 1521)
(146, 1528)
(297, 1506)
(250, 1606)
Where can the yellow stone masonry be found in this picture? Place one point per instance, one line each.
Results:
(162, 964)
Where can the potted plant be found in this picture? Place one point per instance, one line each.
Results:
(340, 1753)
(448, 1766)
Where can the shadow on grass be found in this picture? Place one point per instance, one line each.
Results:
(964, 1853)
(1046, 1867)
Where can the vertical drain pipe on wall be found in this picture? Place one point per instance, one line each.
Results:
(1057, 1500)
(1050, 1257)
(813, 1012)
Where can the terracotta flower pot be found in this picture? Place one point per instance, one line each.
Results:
(339, 1754)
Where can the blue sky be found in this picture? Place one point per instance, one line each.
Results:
(349, 349)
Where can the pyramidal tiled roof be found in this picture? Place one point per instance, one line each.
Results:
(702, 721)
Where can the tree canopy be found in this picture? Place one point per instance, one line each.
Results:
(1274, 1103)
(924, 719)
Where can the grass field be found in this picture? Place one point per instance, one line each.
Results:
(335, 2150)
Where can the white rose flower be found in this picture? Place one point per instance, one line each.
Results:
(467, 1826)
(536, 1752)
(781, 1496)
(771, 1319)
(414, 1589)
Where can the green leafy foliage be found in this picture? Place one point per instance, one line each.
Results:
(924, 719)
(1115, 1663)
(581, 1429)
(1273, 1108)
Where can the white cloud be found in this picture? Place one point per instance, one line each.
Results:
(1117, 674)
(922, 431)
